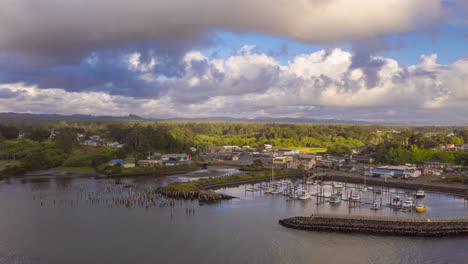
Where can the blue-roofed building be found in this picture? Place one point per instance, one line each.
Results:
(392, 171)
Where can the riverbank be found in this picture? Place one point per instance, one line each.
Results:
(436, 227)
(455, 189)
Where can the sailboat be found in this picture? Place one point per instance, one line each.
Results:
(270, 189)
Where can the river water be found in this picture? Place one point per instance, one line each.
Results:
(52, 220)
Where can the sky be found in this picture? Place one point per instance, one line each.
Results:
(402, 61)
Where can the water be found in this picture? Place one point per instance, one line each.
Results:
(244, 230)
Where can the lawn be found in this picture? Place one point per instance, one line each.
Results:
(306, 149)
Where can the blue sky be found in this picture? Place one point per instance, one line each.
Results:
(449, 41)
(395, 60)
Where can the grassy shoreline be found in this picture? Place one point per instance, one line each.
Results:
(198, 185)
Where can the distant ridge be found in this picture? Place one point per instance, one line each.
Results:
(18, 117)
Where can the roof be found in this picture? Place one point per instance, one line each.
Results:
(118, 161)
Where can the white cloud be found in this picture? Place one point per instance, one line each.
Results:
(250, 84)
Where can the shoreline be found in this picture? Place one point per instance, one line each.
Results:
(421, 227)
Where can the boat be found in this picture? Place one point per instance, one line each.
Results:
(378, 191)
(355, 197)
(420, 208)
(335, 198)
(409, 203)
(397, 202)
(370, 188)
(338, 185)
(420, 194)
(278, 191)
(305, 195)
(269, 190)
(375, 206)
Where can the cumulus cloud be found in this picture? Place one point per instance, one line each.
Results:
(66, 29)
(324, 84)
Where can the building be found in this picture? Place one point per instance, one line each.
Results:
(394, 171)
(362, 159)
(114, 145)
(268, 146)
(89, 143)
(305, 163)
(176, 157)
(121, 162)
(289, 152)
(150, 163)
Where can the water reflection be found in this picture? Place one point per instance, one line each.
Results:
(76, 224)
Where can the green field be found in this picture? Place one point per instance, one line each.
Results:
(305, 149)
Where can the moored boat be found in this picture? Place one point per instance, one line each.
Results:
(409, 203)
(338, 185)
(335, 198)
(355, 197)
(397, 202)
(420, 194)
(375, 206)
(420, 208)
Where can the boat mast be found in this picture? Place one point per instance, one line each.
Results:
(272, 175)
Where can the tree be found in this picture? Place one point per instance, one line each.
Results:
(66, 139)
(2, 138)
(9, 132)
(39, 134)
(257, 163)
(339, 150)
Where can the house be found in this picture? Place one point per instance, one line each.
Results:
(268, 146)
(114, 145)
(53, 133)
(305, 163)
(121, 162)
(235, 157)
(89, 143)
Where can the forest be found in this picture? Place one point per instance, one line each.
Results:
(396, 145)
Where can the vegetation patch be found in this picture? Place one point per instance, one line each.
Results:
(197, 185)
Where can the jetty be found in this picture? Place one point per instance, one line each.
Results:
(425, 227)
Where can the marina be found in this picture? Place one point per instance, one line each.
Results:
(104, 215)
